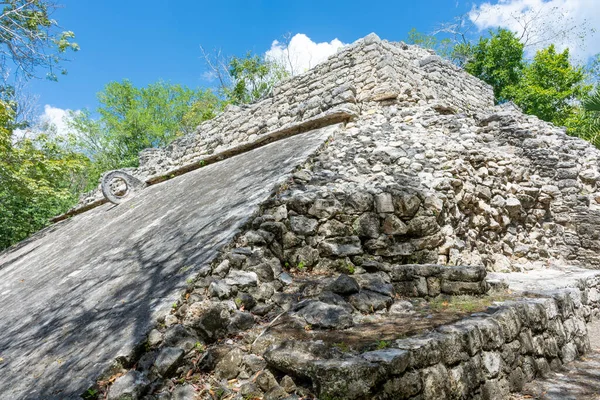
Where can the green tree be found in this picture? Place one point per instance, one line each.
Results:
(39, 175)
(498, 60)
(442, 47)
(252, 77)
(40, 179)
(243, 80)
(594, 68)
(549, 86)
(592, 103)
(584, 124)
(132, 119)
(586, 120)
(30, 39)
(458, 52)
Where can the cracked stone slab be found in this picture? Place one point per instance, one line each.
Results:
(84, 291)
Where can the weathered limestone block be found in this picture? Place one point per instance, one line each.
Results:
(354, 377)
(208, 319)
(327, 316)
(303, 225)
(131, 386)
(341, 247)
(167, 361)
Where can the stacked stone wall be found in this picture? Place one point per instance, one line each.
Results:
(491, 186)
(486, 356)
(368, 70)
(427, 188)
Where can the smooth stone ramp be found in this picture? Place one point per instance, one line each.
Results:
(85, 291)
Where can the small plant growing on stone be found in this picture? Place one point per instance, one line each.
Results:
(301, 266)
(184, 269)
(90, 394)
(343, 347)
(200, 347)
(189, 281)
(383, 344)
(328, 397)
(174, 306)
(238, 302)
(350, 268)
(202, 163)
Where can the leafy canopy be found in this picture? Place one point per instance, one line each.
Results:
(456, 52)
(549, 86)
(252, 77)
(132, 119)
(592, 103)
(443, 47)
(40, 179)
(588, 124)
(498, 61)
(30, 39)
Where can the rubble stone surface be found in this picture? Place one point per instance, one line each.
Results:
(426, 191)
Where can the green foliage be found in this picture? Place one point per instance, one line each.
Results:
(549, 86)
(442, 47)
(8, 96)
(200, 347)
(342, 346)
(383, 344)
(497, 60)
(90, 394)
(133, 119)
(586, 120)
(40, 179)
(252, 77)
(592, 103)
(462, 53)
(40, 175)
(594, 68)
(584, 124)
(350, 268)
(456, 52)
(30, 39)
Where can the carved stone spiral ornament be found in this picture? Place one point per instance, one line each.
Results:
(119, 186)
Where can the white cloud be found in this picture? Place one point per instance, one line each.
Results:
(300, 53)
(54, 120)
(209, 76)
(561, 22)
(58, 118)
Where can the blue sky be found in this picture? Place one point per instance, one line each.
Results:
(145, 41)
(150, 40)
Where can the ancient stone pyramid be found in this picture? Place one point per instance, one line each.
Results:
(298, 246)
